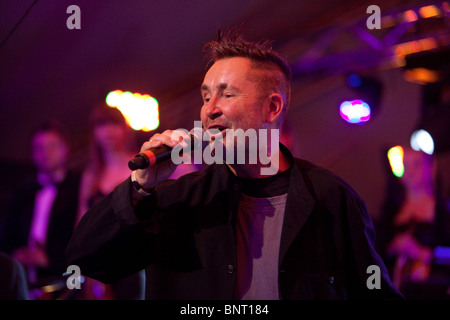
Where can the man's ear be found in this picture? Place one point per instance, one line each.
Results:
(274, 107)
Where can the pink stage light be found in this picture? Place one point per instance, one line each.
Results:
(355, 111)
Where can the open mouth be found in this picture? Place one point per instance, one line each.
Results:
(216, 131)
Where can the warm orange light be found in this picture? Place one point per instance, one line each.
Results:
(410, 16)
(429, 12)
(139, 110)
(422, 75)
(410, 47)
(428, 43)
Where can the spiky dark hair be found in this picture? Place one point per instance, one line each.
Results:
(231, 44)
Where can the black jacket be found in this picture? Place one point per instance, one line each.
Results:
(17, 225)
(184, 234)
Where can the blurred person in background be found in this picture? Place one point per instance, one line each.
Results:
(415, 221)
(110, 147)
(43, 213)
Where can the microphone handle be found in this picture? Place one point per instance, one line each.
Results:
(149, 158)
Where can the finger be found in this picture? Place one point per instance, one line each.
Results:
(169, 138)
(175, 136)
(165, 138)
(150, 144)
(182, 137)
(155, 141)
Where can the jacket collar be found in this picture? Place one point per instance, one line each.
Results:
(299, 205)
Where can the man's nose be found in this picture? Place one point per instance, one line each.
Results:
(213, 109)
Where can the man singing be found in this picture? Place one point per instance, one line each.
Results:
(233, 230)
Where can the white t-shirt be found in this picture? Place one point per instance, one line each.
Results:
(258, 232)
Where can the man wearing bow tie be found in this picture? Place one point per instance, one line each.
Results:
(43, 213)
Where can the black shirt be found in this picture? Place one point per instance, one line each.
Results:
(266, 187)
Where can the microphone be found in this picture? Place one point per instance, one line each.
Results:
(151, 157)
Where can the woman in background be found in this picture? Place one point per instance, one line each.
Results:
(111, 149)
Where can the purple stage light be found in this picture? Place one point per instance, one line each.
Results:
(355, 111)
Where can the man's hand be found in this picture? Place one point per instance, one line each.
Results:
(150, 177)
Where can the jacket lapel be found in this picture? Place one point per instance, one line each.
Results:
(299, 206)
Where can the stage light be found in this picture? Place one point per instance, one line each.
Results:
(113, 98)
(410, 16)
(403, 49)
(395, 157)
(356, 111)
(362, 104)
(139, 110)
(422, 75)
(421, 140)
(429, 12)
